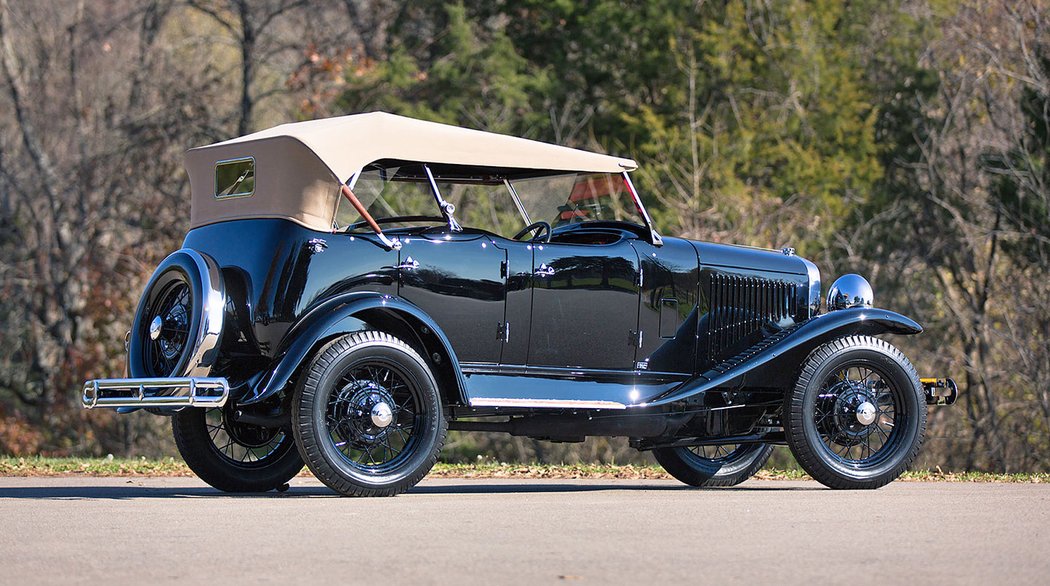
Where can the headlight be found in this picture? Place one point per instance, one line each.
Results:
(849, 291)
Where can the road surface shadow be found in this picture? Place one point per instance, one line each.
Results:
(133, 491)
(481, 487)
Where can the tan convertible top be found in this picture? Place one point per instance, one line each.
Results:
(299, 166)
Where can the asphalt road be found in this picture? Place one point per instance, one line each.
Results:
(137, 531)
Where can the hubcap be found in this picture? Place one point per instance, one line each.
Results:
(381, 414)
(865, 413)
(155, 327)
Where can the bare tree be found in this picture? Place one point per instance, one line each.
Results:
(90, 187)
(967, 257)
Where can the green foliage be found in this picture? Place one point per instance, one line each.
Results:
(781, 110)
(727, 103)
(470, 75)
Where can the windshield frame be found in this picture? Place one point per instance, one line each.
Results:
(641, 219)
(448, 209)
(654, 236)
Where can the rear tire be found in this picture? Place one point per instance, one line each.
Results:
(367, 415)
(234, 457)
(730, 467)
(857, 416)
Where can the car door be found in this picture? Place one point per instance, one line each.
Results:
(458, 279)
(584, 303)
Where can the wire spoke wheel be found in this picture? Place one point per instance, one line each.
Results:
(166, 328)
(177, 328)
(234, 456)
(241, 444)
(721, 453)
(367, 415)
(372, 417)
(713, 465)
(857, 415)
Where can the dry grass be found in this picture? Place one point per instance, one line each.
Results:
(108, 466)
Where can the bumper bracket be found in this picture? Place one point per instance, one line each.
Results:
(940, 391)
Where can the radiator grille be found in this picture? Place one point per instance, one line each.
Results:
(740, 306)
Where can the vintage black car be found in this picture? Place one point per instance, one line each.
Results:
(352, 288)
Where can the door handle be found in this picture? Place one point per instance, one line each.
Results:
(408, 265)
(544, 271)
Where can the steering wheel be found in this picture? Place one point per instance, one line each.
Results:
(541, 225)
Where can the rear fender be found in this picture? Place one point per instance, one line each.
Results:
(778, 366)
(355, 312)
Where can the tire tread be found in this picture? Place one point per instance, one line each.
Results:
(677, 464)
(195, 447)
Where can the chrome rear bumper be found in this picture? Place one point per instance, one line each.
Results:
(155, 392)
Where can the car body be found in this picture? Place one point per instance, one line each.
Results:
(380, 238)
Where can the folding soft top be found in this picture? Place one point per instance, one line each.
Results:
(298, 167)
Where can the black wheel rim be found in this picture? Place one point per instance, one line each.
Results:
(844, 437)
(722, 454)
(246, 446)
(364, 445)
(173, 309)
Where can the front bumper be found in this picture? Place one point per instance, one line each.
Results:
(940, 391)
(155, 392)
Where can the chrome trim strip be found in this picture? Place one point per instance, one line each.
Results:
(143, 392)
(493, 369)
(212, 315)
(545, 403)
(813, 274)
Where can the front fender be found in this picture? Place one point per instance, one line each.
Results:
(345, 314)
(778, 365)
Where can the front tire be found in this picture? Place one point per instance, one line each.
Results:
(713, 465)
(231, 456)
(367, 416)
(857, 416)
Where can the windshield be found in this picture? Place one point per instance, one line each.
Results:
(577, 197)
(389, 193)
(400, 196)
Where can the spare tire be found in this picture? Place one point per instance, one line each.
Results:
(179, 318)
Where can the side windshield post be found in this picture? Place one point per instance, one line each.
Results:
(447, 209)
(517, 201)
(654, 236)
(351, 182)
(348, 193)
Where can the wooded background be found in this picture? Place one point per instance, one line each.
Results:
(903, 140)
